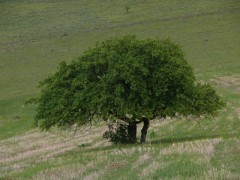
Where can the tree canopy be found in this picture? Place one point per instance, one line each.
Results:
(124, 78)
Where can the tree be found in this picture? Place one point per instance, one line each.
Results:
(128, 79)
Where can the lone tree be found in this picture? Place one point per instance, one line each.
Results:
(124, 78)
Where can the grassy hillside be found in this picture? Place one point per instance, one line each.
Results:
(35, 35)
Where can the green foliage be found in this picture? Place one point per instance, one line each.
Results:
(117, 133)
(31, 47)
(120, 76)
(188, 24)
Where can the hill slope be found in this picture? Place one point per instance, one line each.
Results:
(36, 35)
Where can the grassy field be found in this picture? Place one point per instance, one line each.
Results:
(35, 35)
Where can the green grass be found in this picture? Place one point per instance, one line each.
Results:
(36, 35)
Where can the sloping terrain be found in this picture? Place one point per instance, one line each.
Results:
(36, 35)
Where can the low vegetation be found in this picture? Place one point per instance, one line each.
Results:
(36, 35)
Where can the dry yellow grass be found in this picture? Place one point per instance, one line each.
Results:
(34, 147)
(19, 152)
(141, 160)
(149, 158)
(198, 146)
(223, 173)
(151, 168)
(228, 82)
(238, 112)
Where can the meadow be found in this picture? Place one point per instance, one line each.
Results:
(35, 35)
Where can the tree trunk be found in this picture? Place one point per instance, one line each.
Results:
(132, 132)
(144, 130)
